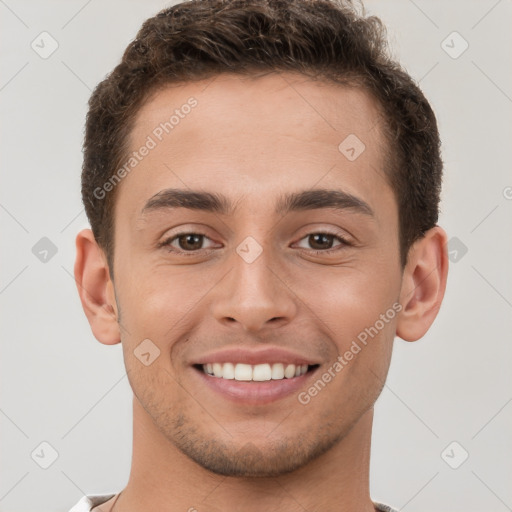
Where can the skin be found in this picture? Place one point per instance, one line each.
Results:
(254, 139)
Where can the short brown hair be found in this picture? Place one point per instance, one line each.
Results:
(329, 39)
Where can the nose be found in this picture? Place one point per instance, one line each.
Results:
(255, 295)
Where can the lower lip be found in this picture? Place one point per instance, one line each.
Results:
(253, 392)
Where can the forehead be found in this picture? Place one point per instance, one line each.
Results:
(247, 136)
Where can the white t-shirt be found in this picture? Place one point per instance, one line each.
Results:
(87, 503)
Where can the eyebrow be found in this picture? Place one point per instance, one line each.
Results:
(312, 199)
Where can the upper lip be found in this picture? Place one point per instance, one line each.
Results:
(269, 355)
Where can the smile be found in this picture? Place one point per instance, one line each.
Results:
(257, 384)
(257, 372)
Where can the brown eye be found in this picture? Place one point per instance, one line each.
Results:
(190, 242)
(322, 243)
(185, 243)
(321, 240)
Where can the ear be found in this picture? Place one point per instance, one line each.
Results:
(423, 284)
(96, 289)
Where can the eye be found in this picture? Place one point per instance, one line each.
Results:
(322, 243)
(184, 243)
(189, 243)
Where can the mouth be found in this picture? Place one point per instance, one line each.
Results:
(257, 384)
(255, 373)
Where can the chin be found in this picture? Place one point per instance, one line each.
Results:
(270, 458)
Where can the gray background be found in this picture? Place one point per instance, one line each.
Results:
(62, 387)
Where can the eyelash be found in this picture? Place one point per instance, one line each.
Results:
(167, 244)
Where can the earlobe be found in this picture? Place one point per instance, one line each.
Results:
(96, 289)
(423, 284)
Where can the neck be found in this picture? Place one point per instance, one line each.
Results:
(163, 478)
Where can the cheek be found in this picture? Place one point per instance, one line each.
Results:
(163, 305)
(348, 300)
(357, 311)
(148, 292)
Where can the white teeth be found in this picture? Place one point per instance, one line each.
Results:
(261, 372)
(277, 371)
(217, 369)
(228, 371)
(289, 371)
(258, 372)
(243, 372)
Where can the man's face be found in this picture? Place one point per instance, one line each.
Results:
(254, 279)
